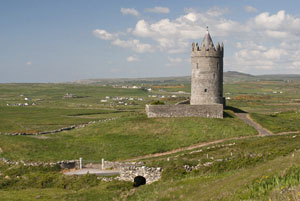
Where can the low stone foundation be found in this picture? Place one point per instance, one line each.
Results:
(151, 174)
(129, 170)
(208, 111)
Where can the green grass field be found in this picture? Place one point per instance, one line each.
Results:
(122, 138)
(279, 122)
(256, 168)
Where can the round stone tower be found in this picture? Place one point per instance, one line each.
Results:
(207, 72)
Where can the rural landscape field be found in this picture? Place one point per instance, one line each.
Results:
(240, 165)
(135, 100)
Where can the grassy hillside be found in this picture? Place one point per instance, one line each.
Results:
(249, 169)
(256, 168)
(123, 138)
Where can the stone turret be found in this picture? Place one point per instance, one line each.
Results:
(207, 85)
(207, 72)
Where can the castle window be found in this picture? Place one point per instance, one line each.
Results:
(205, 90)
(197, 66)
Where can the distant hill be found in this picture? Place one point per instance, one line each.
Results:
(234, 76)
(151, 80)
(229, 77)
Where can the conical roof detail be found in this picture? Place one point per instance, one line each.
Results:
(207, 41)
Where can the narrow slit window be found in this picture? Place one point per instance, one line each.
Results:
(197, 66)
(205, 90)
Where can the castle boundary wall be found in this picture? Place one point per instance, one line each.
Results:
(208, 111)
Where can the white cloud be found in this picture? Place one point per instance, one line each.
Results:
(250, 9)
(174, 36)
(175, 60)
(158, 9)
(191, 17)
(277, 34)
(130, 11)
(28, 63)
(264, 42)
(133, 44)
(296, 64)
(265, 20)
(142, 29)
(278, 26)
(250, 45)
(274, 53)
(104, 34)
(216, 11)
(132, 58)
(252, 56)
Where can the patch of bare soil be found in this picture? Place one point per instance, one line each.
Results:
(40, 136)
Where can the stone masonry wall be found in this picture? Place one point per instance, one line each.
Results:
(151, 174)
(65, 164)
(208, 111)
(129, 170)
(60, 129)
(118, 165)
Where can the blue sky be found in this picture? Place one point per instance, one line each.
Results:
(67, 40)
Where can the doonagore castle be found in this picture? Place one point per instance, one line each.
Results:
(207, 85)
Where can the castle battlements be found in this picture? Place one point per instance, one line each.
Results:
(202, 51)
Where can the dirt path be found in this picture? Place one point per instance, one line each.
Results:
(248, 120)
(243, 116)
(93, 171)
(203, 144)
(288, 132)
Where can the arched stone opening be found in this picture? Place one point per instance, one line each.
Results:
(138, 181)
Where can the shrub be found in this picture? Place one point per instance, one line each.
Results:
(157, 102)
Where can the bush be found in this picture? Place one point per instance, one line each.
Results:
(157, 102)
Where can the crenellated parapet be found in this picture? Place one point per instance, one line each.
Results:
(204, 51)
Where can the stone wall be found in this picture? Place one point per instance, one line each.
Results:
(118, 165)
(129, 170)
(208, 111)
(65, 164)
(151, 174)
(60, 129)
